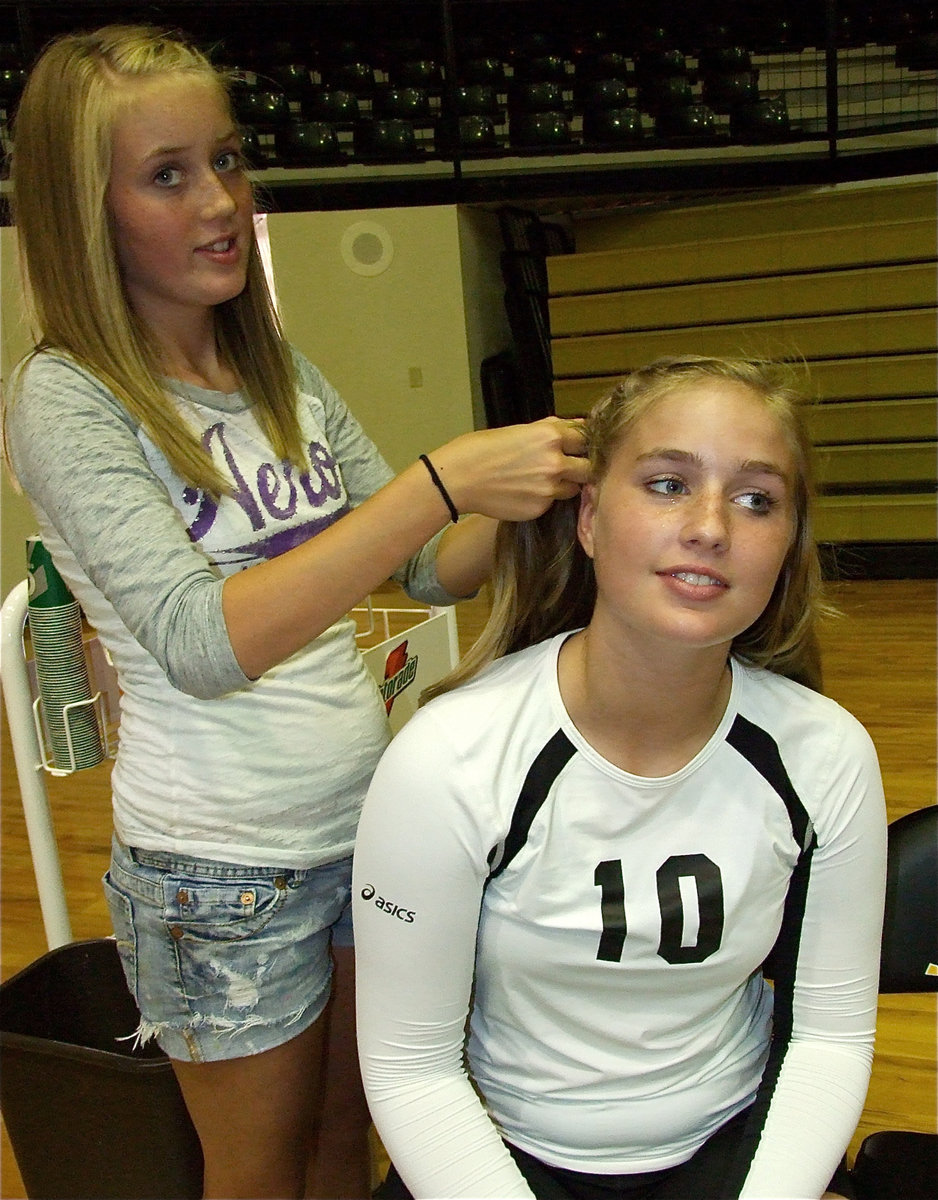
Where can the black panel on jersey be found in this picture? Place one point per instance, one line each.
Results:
(760, 749)
(537, 783)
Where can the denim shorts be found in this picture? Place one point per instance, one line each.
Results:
(225, 960)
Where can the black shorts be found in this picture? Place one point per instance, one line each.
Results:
(702, 1177)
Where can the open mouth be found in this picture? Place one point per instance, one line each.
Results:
(222, 246)
(698, 580)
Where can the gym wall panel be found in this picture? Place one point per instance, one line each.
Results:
(872, 378)
(574, 397)
(848, 421)
(884, 463)
(787, 209)
(744, 257)
(869, 289)
(833, 380)
(886, 518)
(809, 337)
(841, 281)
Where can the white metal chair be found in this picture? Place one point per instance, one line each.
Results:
(32, 758)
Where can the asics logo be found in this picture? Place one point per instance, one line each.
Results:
(388, 906)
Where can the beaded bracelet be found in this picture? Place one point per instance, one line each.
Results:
(440, 488)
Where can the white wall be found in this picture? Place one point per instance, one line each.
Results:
(394, 343)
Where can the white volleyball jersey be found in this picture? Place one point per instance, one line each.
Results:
(620, 1013)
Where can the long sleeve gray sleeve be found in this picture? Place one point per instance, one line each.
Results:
(109, 522)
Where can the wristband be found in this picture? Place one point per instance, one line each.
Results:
(440, 488)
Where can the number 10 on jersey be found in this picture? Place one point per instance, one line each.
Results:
(689, 886)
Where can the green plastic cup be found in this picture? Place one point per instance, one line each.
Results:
(69, 713)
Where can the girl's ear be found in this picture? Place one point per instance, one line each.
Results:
(589, 495)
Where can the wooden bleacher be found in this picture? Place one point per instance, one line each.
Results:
(844, 279)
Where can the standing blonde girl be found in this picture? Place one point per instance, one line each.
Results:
(600, 846)
(216, 509)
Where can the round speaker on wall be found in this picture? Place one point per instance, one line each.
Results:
(367, 248)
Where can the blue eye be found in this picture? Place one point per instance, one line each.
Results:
(669, 486)
(757, 502)
(229, 160)
(168, 177)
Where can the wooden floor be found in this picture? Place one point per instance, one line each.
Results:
(880, 662)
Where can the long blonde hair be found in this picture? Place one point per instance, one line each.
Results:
(61, 165)
(544, 583)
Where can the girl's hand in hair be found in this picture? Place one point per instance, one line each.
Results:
(516, 472)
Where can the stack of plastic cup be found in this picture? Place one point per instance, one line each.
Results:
(69, 712)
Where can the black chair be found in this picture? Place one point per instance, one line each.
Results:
(664, 93)
(537, 117)
(525, 272)
(603, 64)
(475, 132)
(407, 48)
(540, 130)
(484, 69)
(335, 105)
(471, 119)
(604, 93)
(307, 144)
(357, 77)
(899, 1164)
(386, 138)
(910, 927)
(660, 60)
(292, 78)
(543, 95)
(686, 122)
(477, 99)
(541, 68)
(613, 126)
(724, 90)
(764, 120)
(723, 59)
(263, 109)
(419, 72)
(406, 103)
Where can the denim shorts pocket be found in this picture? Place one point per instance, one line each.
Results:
(213, 910)
(121, 909)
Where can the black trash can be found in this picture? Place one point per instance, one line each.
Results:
(88, 1115)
